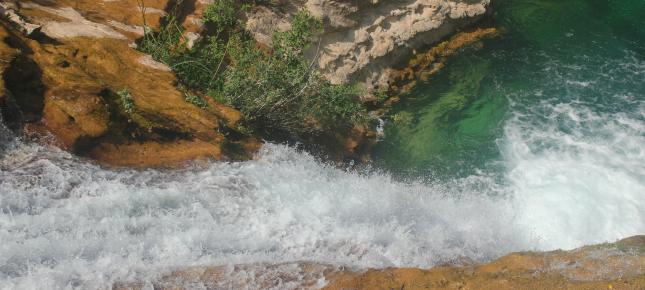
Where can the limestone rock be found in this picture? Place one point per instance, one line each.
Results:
(619, 265)
(8, 10)
(126, 17)
(609, 266)
(80, 58)
(263, 22)
(363, 40)
(82, 82)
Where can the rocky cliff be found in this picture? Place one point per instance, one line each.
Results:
(364, 41)
(70, 70)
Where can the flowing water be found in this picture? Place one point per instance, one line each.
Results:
(535, 141)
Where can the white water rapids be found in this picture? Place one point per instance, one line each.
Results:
(66, 223)
(572, 174)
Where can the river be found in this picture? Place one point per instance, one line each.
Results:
(533, 141)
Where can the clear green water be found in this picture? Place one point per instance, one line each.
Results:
(579, 56)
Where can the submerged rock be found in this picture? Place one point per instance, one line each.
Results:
(619, 265)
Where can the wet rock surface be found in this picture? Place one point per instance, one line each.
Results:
(619, 265)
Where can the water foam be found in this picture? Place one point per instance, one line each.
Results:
(70, 223)
(576, 158)
(574, 174)
(579, 189)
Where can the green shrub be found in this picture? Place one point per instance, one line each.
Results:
(222, 14)
(381, 96)
(280, 90)
(163, 45)
(196, 100)
(126, 101)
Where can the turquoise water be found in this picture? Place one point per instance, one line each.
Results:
(553, 61)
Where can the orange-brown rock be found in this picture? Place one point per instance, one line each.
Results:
(126, 17)
(619, 265)
(426, 64)
(609, 266)
(7, 54)
(154, 153)
(100, 98)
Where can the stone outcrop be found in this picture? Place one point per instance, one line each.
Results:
(7, 106)
(365, 40)
(76, 57)
(109, 18)
(423, 65)
(82, 82)
(619, 265)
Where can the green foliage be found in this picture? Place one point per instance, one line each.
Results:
(242, 128)
(279, 90)
(222, 14)
(163, 45)
(402, 119)
(290, 44)
(196, 100)
(126, 101)
(381, 96)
